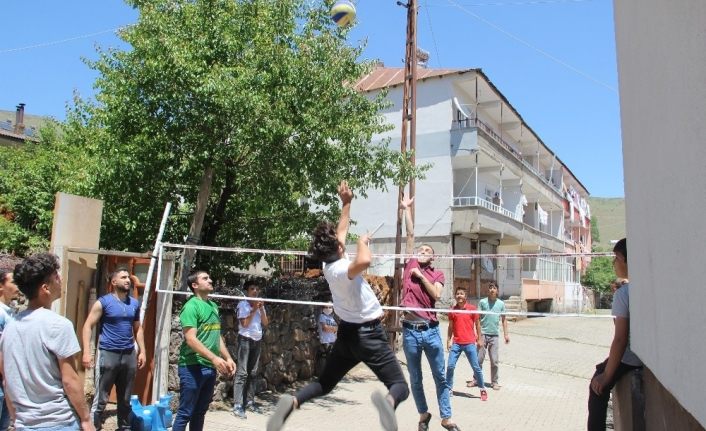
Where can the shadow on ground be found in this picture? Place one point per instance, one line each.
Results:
(267, 401)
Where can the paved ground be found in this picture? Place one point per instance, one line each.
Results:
(544, 375)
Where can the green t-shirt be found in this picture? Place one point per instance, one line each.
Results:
(202, 315)
(490, 323)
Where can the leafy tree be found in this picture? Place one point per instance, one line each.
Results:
(595, 233)
(599, 274)
(250, 101)
(32, 175)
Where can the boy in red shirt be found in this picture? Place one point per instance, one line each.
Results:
(464, 333)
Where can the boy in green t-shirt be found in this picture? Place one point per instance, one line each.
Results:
(202, 353)
(490, 326)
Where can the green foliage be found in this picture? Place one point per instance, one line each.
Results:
(13, 239)
(32, 175)
(599, 274)
(261, 91)
(595, 233)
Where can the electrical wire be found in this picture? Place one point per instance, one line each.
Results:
(535, 48)
(433, 37)
(60, 41)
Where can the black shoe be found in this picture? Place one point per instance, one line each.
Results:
(424, 425)
(252, 406)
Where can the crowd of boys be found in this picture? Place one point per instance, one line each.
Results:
(37, 346)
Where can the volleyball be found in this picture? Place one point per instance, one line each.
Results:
(343, 13)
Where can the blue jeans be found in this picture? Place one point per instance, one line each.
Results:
(196, 383)
(428, 341)
(71, 427)
(472, 355)
(4, 413)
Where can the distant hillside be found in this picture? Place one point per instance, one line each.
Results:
(610, 213)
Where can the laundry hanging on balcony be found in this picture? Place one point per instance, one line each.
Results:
(520, 208)
(487, 265)
(543, 215)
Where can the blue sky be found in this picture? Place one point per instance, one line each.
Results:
(553, 59)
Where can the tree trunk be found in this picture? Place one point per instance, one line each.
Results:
(209, 237)
(196, 224)
(215, 223)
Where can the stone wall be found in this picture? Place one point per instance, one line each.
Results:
(290, 342)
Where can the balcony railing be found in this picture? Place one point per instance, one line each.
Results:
(292, 264)
(474, 122)
(475, 201)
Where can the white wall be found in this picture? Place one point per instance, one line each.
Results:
(435, 192)
(432, 200)
(434, 110)
(662, 71)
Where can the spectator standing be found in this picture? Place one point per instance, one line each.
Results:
(38, 355)
(118, 361)
(203, 354)
(463, 334)
(252, 318)
(8, 292)
(490, 327)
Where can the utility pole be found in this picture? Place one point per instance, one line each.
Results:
(409, 127)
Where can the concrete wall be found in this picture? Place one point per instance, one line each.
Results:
(640, 392)
(662, 69)
(77, 222)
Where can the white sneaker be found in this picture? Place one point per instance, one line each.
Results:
(388, 420)
(284, 408)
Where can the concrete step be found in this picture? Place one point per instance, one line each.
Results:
(515, 304)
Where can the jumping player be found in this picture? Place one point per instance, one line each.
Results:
(361, 337)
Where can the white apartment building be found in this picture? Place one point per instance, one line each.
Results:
(493, 187)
